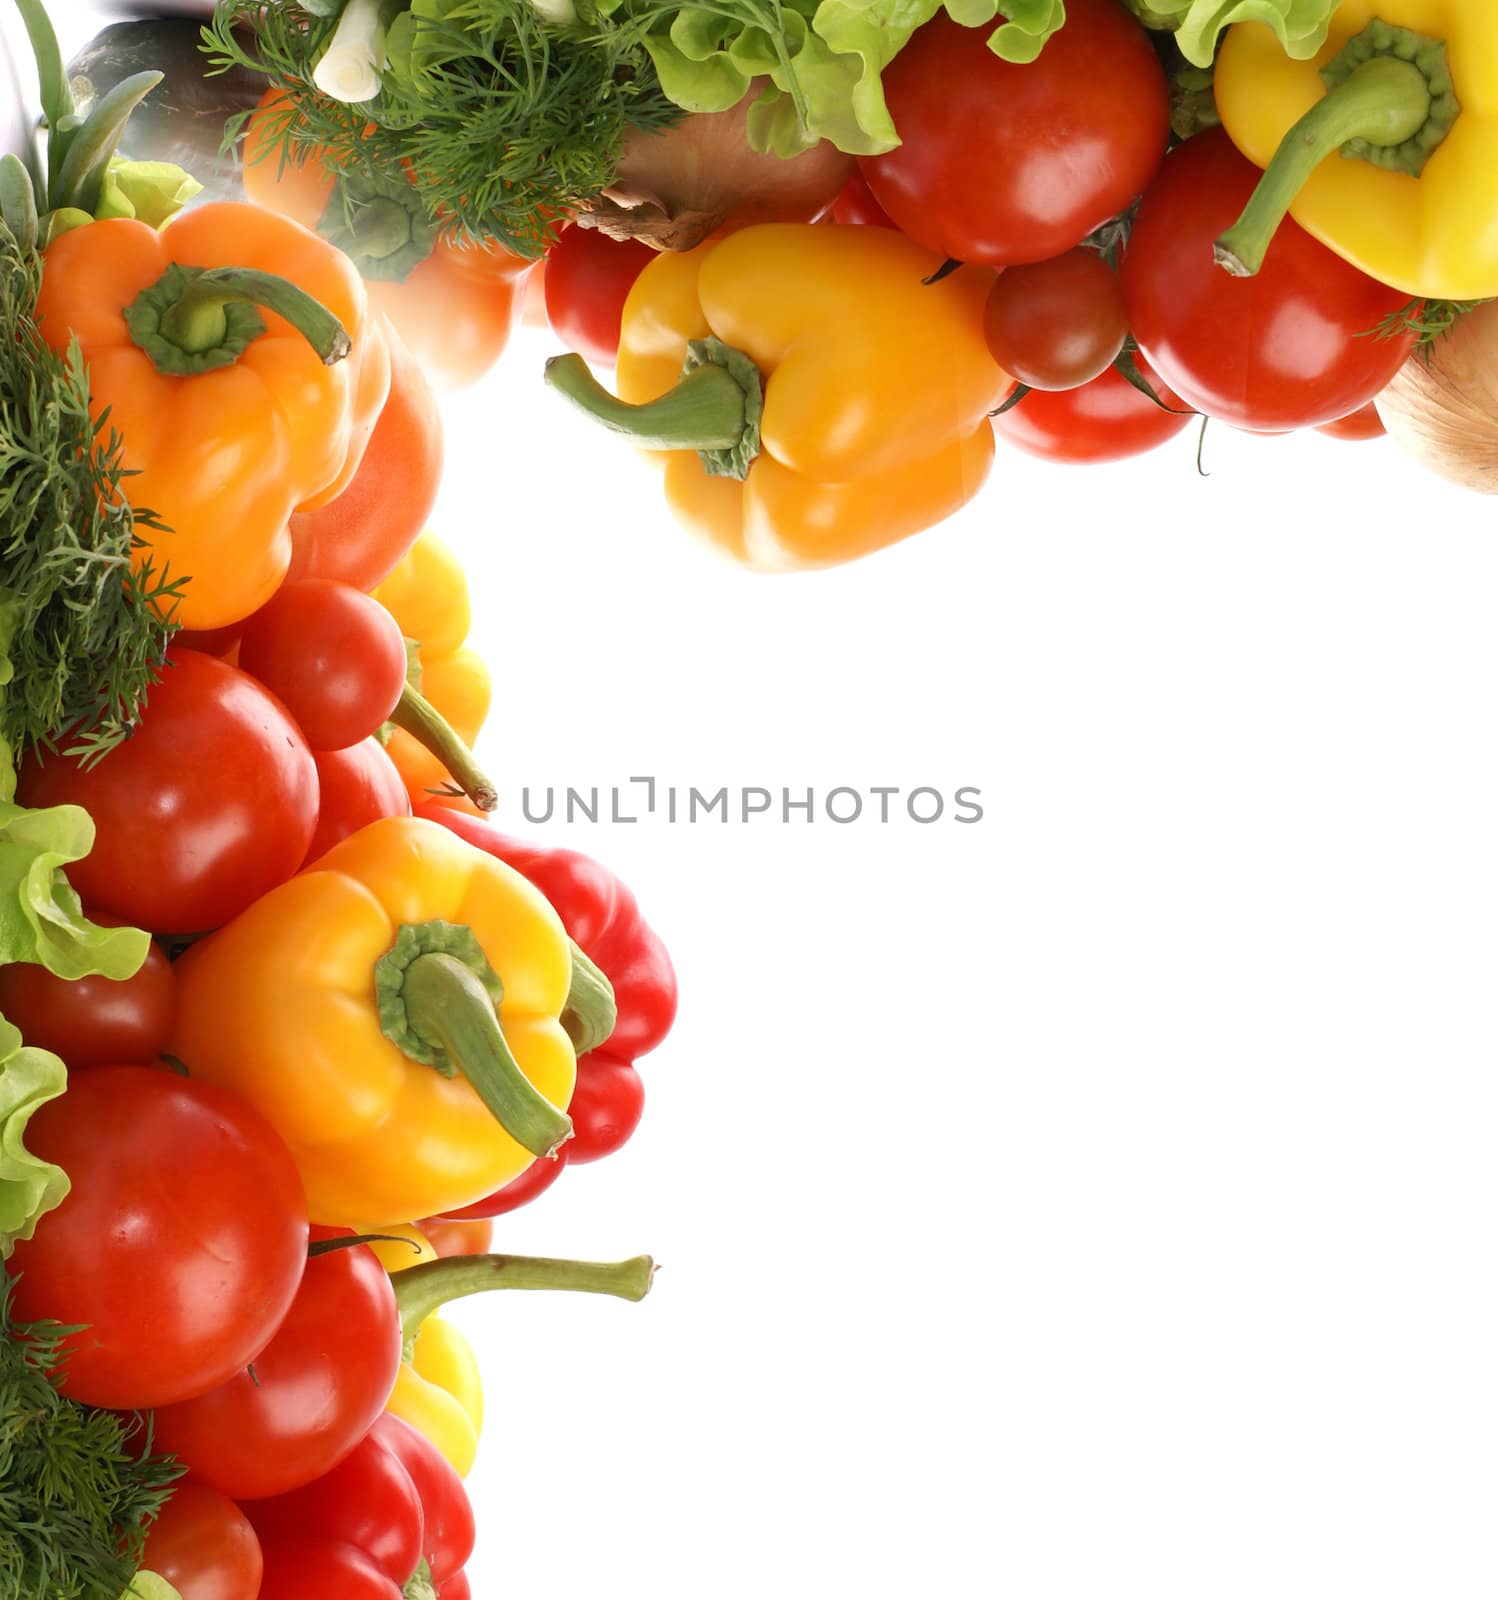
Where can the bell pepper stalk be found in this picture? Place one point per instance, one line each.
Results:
(416, 715)
(876, 388)
(1399, 90)
(214, 403)
(395, 1011)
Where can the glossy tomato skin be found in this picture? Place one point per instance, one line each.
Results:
(1056, 324)
(180, 1246)
(356, 786)
(856, 205)
(332, 655)
(210, 803)
(93, 1021)
(1000, 162)
(204, 1546)
(588, 277)
(1105, 420)
(458, 1236)
(1291, 347)
(317, 1385)
(1364, 423)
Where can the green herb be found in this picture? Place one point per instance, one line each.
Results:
(77, 1486)
(1299, 25)
(504, 119)
(83, 632)
(1428, 320)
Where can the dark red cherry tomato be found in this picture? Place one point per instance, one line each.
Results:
(356, 786)
(1056, 324)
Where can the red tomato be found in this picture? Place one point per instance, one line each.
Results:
(1364, 423)
(332, 655)
(356, 786)
(1056, 324)
(180, 1246)
(93, 1022)
(1000, 162)
(607, 1103)
(360, 536)
(210, 803)
(204, 1546)
(1105, 420)
(588, 277)
(315, 1389)
(857, 205)
(1291, 347)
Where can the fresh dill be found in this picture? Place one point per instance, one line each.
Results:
(77, 1486)
(1429, 320)
(504, 121)
(83, 628)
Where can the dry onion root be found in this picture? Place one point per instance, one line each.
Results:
(1443, 403)
(675, 187)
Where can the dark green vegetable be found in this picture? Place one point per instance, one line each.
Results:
(183, 119)
(77, 1486)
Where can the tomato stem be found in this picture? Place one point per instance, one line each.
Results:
(422, 1290)
(195, 319)
(426, 724)
(714, 408)
(1390, 101)
(438, 1001)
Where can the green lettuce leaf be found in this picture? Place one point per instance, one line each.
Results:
(824, 61)
(150, 1586)
(1299, 25)
(150, 191)
(29, 1187)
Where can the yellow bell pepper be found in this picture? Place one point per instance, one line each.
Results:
(427, 594)
(395, 1013)
(438, 1390)
(1408, 89)
(839, 401)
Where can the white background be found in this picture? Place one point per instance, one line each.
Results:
(1094, 1201)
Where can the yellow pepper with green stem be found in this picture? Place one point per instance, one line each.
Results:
(835, 396)
(1405, 95)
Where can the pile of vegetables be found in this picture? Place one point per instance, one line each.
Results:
(274, 1047)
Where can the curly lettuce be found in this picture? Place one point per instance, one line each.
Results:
(29, 1186)
(1299, 25)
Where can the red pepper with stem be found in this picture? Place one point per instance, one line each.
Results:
(602, 916)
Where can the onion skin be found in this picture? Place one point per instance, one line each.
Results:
(1442, 406)
(676, 187)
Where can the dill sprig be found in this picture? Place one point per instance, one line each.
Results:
(1429, 320)
(504, 121)
(84, 631)
(77, 1486)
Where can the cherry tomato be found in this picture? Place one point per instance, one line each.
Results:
(588, 277)
(1056, 324)
(856, 204)
(210, 803)
(296, 1569)
(458, 1236)
(360, 536)
(315, 1389)
(1364, 423)
(179, 1248)
(356, 786)
(1105, 420)
(1288, 348)
(1000, 162)
(94, 1021)
(204, 1546)
(537, 1178)
(607, 1102)
(332, 655)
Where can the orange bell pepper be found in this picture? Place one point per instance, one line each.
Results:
(454, 304)
(230, 419)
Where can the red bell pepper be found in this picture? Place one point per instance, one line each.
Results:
(603, 917)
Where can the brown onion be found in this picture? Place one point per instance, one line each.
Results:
(676, 187)
(1443, 403)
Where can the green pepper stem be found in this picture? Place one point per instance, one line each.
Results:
(447, 1005)
(1385, 102)
(705, 411)
(195, 319)
(422, 720)
(424, 1289)
(590, 1012)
